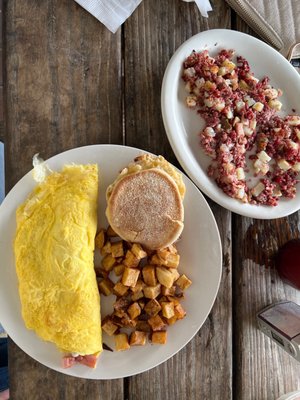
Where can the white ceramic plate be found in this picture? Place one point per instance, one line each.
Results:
(201, 259)
(184, 125)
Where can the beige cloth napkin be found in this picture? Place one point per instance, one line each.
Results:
(276, 21)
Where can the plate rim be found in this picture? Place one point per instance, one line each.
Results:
(222, 199)
(219, 268)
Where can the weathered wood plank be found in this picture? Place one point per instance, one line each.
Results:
(63, 91)
(262, 369)
(1, 74)
(31, 380)
(63, 81)
(151, 36)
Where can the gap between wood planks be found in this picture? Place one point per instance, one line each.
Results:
(126, 379)
(123, 84)
(234, 309)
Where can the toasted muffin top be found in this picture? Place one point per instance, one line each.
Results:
(148, 161)
(145, 206)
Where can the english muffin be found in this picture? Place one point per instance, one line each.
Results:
(145, 203)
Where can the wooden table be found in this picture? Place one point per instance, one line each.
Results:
(69, 82)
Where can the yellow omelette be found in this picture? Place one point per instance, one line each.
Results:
(54, 252)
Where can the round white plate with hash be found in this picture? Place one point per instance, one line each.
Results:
(201, 260)
(183, 125)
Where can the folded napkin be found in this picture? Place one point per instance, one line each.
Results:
(112, 13)
(203, 5)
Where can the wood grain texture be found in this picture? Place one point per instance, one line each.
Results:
(70, 82)
(63, 81)
(2, 119)
(63, 90)
(262, 370)
(152, 35)
(36, 382)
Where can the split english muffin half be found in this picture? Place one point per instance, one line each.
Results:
(145, 202)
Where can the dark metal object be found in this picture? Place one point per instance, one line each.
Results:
(281, 322)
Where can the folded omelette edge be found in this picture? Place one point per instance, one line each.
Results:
(54, 253)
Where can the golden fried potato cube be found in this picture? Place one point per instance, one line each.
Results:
(119, 289)
(100, 239)
(151, 292)
(159, 337)
(130, 276)
(121, 342)
(106, 286)
(134, 310)
(179, 311)
(155, 260)
(126, 321)
(175, 274)
(108, 326)
(138, 251)
(168, 259)
(119, 269)
(117, 249)
(174, 300)
(119, 313)
(100, 273)
(108, 262)
(143, 326)
(183, 282)
(156, 323)
(138, 338)
(172, 320)
(110, 232)
(149, 275)
(137, 295)
(138, 287)
(167, 309)
(106, 249)
(152, 307)
(122, 303)
(165, 276)
(168, 291)
(131, 260)
(172, 260)
(163, 253)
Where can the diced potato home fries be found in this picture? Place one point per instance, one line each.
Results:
(148, 290)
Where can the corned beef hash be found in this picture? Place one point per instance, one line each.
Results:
(243, 129)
